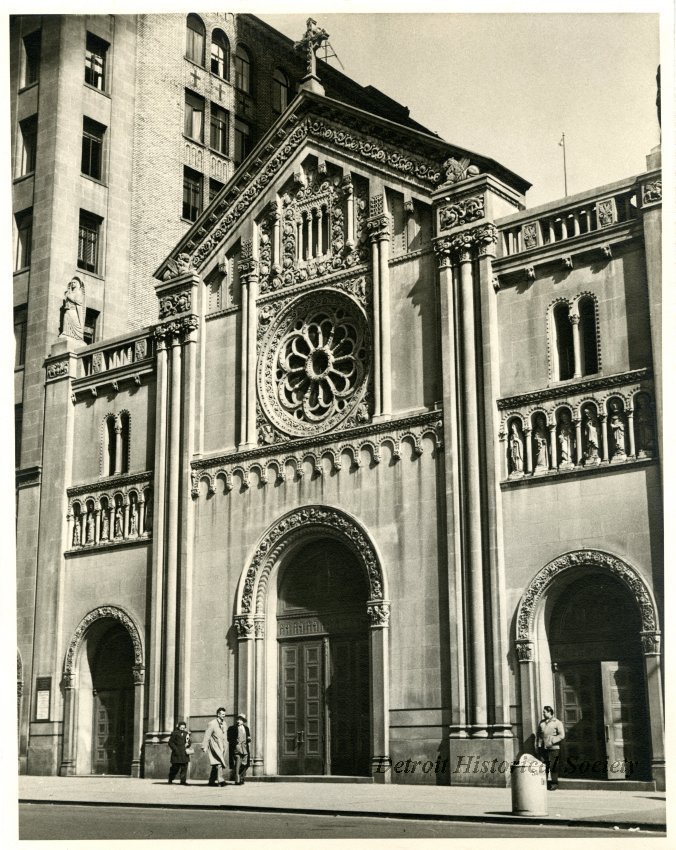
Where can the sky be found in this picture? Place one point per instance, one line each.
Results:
(508, 85)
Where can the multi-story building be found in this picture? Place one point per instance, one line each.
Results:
(379, 464)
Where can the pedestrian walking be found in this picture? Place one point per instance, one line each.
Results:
(179, 742)
(550, 734)
(239, 740)
(215, 744)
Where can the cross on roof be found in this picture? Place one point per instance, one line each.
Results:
(312, 40)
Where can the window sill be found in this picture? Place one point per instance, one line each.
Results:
(215, 76)
(22, 177)
(189, 220)
(93, 88)
(93, 180)
(194, 141)
(93, 275)
(29, 86)
(21, 271)
(197, 64)
(219, 153)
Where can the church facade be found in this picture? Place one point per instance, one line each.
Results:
(383, 475)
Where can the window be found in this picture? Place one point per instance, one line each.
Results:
(20, 323)
(220, 55)
(193, 125)
(219, 129)
(564, 342)
(243, 69)
(194, 39)
(280, 91)
(31, 59)
(590, 360)
(18, 428)
(192, 194)
(95, 62)
(91, 319)
(92, 148)
(24, 238)
(29, 143)
(215, 187)
(243, 142)
(88, 242)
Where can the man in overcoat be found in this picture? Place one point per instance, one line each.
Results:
(215, 744)
(239, 739)
(178, 741)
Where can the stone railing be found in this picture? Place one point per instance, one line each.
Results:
(588, 424)
(122, 358)
(110, 512)
(582, 216)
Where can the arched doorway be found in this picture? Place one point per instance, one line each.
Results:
(597, 659)
(323, 638)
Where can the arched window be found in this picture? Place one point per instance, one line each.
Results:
(194, 39)
(243, 74)
(220, 55)
(280, 91)
(588, 344)
(564, 366)
(124, 425)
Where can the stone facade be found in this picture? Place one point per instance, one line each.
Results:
(385, 428)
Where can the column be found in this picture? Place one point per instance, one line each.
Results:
(172, 536)
(575, 322)
(604, 436)
(244, 362)
(251, 359)
(67, 767)
(630, 428)
(125, 524)
(138, 673)
(578, 441)
(141, 514)
(118, 446)
(276, 235)
(653, 677)
(245, 664)
(529, 709)
(529, 450)
(349, 195)
(379, 614)
(385, 330)
(259, 716)
(552, 446)
(97, 525)
(375, 274)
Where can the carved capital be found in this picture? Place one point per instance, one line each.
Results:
(139, 674)
(379, 227)
(244, 626)
(379, 613)
(175, 303)
(259, 628)
(651, 643)
(524, 651)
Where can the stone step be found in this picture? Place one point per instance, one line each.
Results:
(309, 778)
(606, 785)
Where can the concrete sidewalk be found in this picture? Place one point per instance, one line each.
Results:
(624, 809)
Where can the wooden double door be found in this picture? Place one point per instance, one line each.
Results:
(324, 706)
(113, 731)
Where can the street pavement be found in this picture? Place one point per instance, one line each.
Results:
(602, 809)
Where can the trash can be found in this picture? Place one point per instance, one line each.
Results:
(529, 787)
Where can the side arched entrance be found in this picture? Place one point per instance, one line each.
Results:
(588, 642)
(312, 623)
(103, 696)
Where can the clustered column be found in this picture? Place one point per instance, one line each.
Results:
(378, 226)
(249, 275)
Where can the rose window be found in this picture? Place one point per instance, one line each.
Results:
(314, 366)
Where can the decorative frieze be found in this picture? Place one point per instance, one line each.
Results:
(461, 211)
(581, 387)
(176, 303)
(58, 368)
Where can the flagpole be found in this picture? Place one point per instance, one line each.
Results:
(565, 172)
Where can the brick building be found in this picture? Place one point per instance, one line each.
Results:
(362, 447)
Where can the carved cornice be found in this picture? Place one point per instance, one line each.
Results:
(28, 476)
(103, 612)
(573, 388)
(178, 328)
(112, 483)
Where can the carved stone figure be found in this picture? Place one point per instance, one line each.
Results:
(90, 527)
(119, 521)
(74, 310)
(314, 37)
(592, 434)
(105, 525)
(617, 429)
(457, 170)
(541, 450)
(76, 531)
(644, 428)
(133, 520)
(516, 449)
(566, 439)
(148, 519)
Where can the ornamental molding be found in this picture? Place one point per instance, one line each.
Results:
(114, 483)
(176, 328)
(462, 211)
(573, 389)
(244, 627)
(540, 586)
(103, 612)
(270, 463)
(58, 368)
(355, 281)
(301, 524)
(481, 239)
(176, 303)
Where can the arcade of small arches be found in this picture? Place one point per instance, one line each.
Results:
(124, 514)
(613, 429)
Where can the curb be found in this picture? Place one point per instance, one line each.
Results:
(428, 816)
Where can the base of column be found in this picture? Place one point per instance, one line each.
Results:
(381, 417)
(658, 768)
(258, 768)
(480, 761)
(156, 759)
(67, 768)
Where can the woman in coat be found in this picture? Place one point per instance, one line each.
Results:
(239, 739)
(179, 740)
(215, 744)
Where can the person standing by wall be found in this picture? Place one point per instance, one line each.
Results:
(239, 739)
(550, 735)
(179, 742)
(215, 744)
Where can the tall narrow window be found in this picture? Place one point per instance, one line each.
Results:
(88, 243)
(242, 141)
(20, 324)
(219, 129)
(215, 187)
(29, 144)
(18, 428)
(220, 55)
(31, 58)
(124, 426)
(91, 320)
(194, 43)
(95, 62)
(192, 194)
(92, 148)
(193, 125)
(280, 91)
(111, 445)
(24, 239)
(590, 359)
(564, 342)
(243, 76)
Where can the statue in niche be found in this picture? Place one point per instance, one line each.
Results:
(105, 524)
(76, 531)
(617, 429)
(516, 449)
(90, 529)
(540, 440)
(133, 520)
(644, 427)
(566, 439)
(148, 519)
(73, 310)
(119, 521)
(592, 433)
